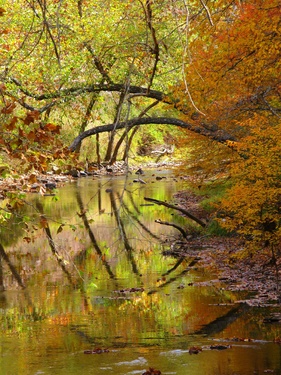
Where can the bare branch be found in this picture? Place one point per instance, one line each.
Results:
(208, 12)
(156, 49)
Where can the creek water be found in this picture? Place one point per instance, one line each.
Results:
(91, 276)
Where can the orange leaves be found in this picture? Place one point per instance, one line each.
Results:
(254, 202)
(27, 138)
(32, 178)
(236, 61)
(2, 11)
(52, 128)
(31, 117)
(43, 222)
(9, 108)
(12, 123)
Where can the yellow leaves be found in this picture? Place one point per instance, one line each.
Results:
(252, 205)
(232, 144)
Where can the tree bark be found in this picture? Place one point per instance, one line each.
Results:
(217, 135)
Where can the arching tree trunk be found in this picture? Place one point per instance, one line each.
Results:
(218, 135)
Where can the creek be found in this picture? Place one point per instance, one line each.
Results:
(91, 277)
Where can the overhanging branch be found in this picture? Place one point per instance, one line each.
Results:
(83, 89)
(219, 135)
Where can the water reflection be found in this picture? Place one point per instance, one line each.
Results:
(93, 275)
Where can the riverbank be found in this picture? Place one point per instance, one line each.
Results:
(228, 258)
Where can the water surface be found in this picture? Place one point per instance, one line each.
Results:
(95, 277)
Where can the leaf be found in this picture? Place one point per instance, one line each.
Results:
(43, 223)
(32, 178)
(9, 108)
(31, 117)
(60, 228)
(52, 128)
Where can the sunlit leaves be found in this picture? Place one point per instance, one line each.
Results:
(253, 205)
(29, 140)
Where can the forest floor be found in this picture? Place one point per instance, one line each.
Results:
(227, 257)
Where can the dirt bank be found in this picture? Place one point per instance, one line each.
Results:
(228, 258)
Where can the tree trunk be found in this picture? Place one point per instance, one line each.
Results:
(112, 134)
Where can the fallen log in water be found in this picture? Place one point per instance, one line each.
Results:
(183, 232)
(182, 210)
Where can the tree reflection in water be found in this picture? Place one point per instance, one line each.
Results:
(96, 277)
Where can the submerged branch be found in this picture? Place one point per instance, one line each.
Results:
(173, 279)
(180, 229)
(182, 210)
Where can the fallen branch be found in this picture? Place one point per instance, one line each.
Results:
(183, 232)
(182, 210)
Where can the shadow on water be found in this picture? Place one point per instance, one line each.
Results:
(92, 276)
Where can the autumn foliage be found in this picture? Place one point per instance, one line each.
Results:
(213, 64)
(252, 206)
(32, 143)
(233, 76)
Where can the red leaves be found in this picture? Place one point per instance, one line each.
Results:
(9, 108)
(52, 128)
(195, 350)
(26, 133)
(31, 117)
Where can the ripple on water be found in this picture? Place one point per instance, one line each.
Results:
(135, 362)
